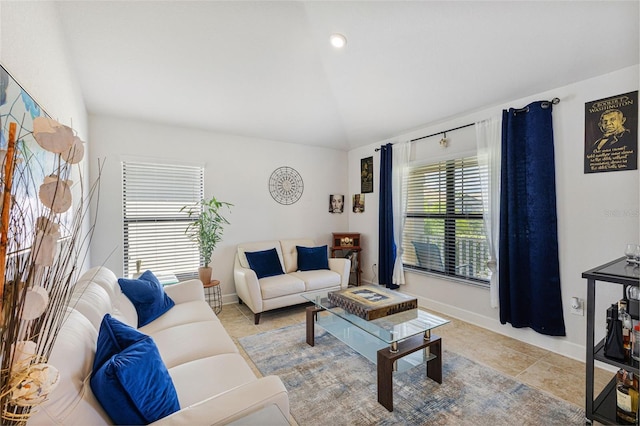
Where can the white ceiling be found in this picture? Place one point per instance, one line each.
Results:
(266, 70)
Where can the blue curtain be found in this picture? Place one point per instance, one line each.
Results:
(386, 244)
(529, 270)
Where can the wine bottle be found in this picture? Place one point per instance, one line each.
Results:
(626, 397)
(613, 345)
(627, 326)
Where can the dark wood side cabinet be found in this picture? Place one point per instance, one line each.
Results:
(348, 245)
(602, 408)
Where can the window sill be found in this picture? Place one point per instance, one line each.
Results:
(459, 280)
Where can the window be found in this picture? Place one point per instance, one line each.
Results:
(444, 228)
(154, 226)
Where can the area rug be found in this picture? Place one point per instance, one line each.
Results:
(331, 384)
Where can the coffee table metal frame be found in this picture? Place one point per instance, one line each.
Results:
(394, 343)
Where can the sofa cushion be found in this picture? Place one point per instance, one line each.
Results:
(121, 306)
(113, 338)
(147, 295)
(181, 313)
(134, 386)
(203, 338)
(100, 275)
(265, 263)
(281, 285)
(223, 372)
(312, 258)
(257, 246)
(73, 354)
(92, 301)
(318, 279)
(290, 253)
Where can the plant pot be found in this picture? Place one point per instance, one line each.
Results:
(204, 273)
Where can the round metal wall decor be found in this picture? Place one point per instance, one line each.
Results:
(285, 185)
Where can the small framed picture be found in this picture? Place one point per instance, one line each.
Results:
(358, 203)
(366, 175)
(336, 203)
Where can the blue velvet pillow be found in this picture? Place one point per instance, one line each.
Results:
(147, 295)
(134, 386)
(312, 258)
(113, 338)
(265, 263)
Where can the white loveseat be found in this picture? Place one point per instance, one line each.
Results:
(278, 291)
(213, 382)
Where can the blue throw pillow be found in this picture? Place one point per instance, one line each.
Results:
(147, 295)
(312, 258)
(134, 386)
(265, 263)
(113, 338)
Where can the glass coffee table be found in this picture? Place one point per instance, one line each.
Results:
(394, 343)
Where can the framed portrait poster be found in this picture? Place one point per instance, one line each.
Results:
(336, 203)
(611, 134)
(358, 203)
(366, 175)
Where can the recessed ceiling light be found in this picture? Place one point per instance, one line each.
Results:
(338, 40)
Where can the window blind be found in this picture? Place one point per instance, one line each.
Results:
(154, 226)
(444, 228)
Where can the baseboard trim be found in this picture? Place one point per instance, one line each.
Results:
(554, 344)
(228, 299)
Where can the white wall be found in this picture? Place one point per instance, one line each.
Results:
(597, 213)
(237, 170)
(33, 51)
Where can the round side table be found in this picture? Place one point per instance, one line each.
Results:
(214, 295)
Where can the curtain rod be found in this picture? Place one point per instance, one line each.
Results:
(443, 132)
(436, 134)
(545, 104)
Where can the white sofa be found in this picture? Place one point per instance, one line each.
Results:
(213, 382)
(278, 291)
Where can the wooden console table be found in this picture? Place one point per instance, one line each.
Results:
(345, 244)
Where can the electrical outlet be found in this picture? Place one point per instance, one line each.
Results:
(577, 307)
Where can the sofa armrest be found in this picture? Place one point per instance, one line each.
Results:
(185, 291)
(248, 287)
(343, 267)
(233, 404)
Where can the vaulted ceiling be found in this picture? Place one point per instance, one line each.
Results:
(266, 69)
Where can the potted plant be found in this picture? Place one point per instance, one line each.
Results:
(206, 230)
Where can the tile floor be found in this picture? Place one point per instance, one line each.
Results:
(550, 372)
